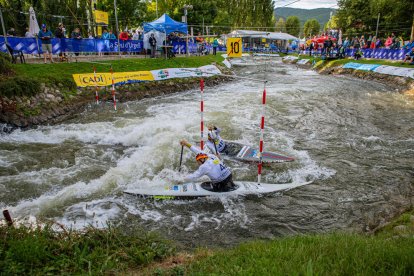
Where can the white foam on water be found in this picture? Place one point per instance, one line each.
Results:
(153, 156)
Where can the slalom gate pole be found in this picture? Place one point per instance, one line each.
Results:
(113, 87)
(202, 110)
(259, 166)
(96, 85)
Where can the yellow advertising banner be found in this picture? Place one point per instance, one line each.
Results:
(105, 79)
(234, 47)
(101, 17)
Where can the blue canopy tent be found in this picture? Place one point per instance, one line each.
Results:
(164, 25)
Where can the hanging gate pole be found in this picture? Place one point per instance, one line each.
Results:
(113, 88)
(259, 166)
(96, 85)
(202, 110)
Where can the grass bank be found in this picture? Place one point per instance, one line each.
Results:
(26, 79)
(57, 72)
(131, 251)
(25, 251)
(389, 252)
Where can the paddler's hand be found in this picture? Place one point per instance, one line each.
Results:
(185, 143)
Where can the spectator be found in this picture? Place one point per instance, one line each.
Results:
(369, 41)
(45, 35)
(11, 32)
(409, 45)
(90, 36)
(76, 37)
(105, 34)
(362, 43)
(111, 35)
(153, 44)
(388, 42)
(28, 34)
(373, 40)
(215, 45)
(123, 36)
(409, 57)
(135, 36)
(60, 33)
(346, 43)
(396, 45)
(378, 43)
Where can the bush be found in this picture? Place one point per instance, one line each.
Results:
(19, 86)
(5, 64)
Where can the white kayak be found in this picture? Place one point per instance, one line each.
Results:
(205, 189)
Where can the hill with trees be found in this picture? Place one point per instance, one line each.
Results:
(321, 15)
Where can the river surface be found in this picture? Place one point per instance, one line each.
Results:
(353, 138)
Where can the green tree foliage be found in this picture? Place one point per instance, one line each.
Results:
(280, 25)
(223, 14)
(311, 27)
(358, 17)
(293, 25)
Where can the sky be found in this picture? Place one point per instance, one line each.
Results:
(307, 4)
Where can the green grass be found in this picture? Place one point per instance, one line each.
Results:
(332, 254)
(62, 72)
(95, 252)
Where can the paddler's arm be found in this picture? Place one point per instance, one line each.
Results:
(191, 147)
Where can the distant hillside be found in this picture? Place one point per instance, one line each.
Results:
(322, 14)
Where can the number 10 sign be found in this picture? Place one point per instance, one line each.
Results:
(234, 47)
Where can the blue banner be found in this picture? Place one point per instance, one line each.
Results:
(380, 53)
(67, 45)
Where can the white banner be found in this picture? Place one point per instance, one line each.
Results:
(303, 61)
(290, 58)
(395, 71)
(171, 73)
(227, 63)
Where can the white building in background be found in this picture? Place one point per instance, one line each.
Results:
(262, 39)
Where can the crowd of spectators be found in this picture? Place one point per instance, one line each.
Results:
(332, 44)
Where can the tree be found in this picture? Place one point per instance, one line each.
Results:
(280, 25)
(311, 27)
(293, 25)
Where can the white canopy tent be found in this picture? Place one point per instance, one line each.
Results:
(251, 37)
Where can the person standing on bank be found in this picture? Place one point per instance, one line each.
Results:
(153, 44)
(209, 164)
(45, 36)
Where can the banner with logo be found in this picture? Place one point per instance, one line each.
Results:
(395, 71)
(360, 66)
(101, 17)
(105, 79)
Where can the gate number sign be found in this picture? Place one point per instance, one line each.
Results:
(234, 47)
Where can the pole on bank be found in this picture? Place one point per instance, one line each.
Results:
(96, 85)
(376, 32)
(2, 26)
(262, 121)
(8, 218)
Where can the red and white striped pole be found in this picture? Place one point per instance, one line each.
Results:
(113, 87)
(259, 166)
(96, 86)
(202, 111)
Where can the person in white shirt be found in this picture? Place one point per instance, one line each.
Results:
(215, 144)
(220, 175)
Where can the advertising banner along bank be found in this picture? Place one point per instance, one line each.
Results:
(120, 78)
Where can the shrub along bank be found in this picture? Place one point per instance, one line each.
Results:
(32, 94)
(42, 251)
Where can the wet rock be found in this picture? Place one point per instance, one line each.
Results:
(401, 228)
